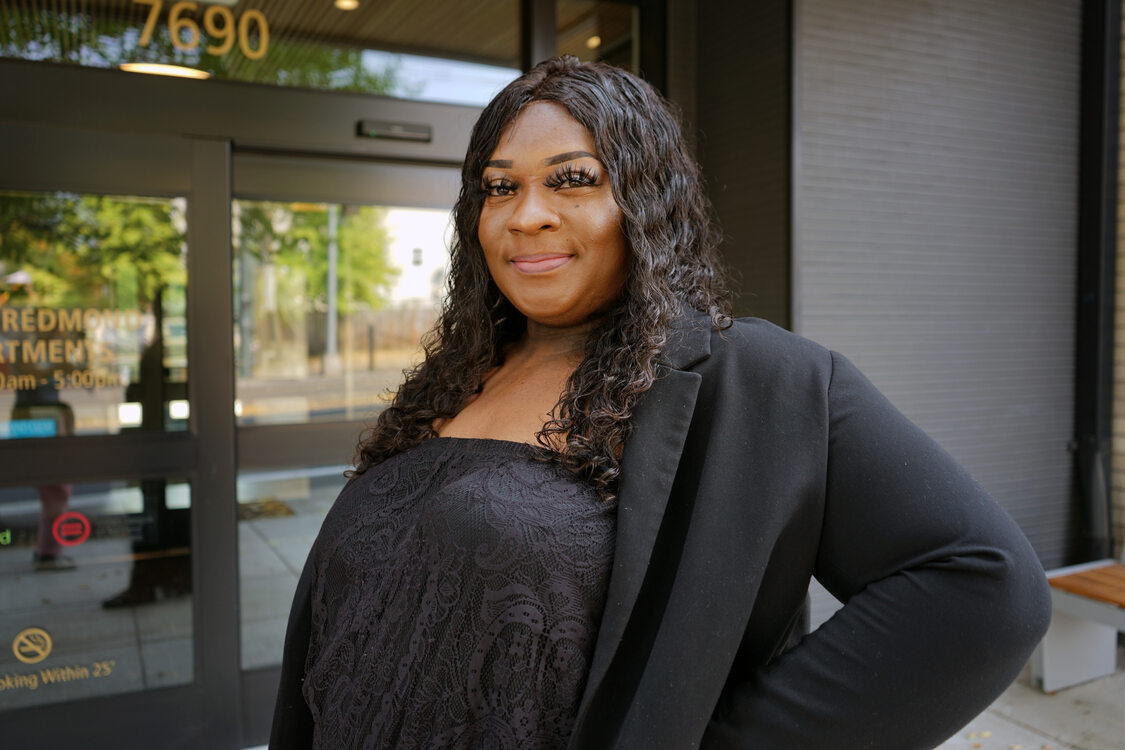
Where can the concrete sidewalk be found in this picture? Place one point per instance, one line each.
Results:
(1085, 717)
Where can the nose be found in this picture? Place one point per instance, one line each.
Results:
(533, 211)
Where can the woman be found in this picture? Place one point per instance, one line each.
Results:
(590, 516)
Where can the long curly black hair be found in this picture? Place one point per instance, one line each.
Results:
(673, 266)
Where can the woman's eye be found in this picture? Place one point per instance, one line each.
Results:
(572, 177)
(499, 188)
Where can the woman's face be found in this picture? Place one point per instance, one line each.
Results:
(549, 226)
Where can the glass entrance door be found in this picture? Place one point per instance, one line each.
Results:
(338, 270)
(116, 438)
(166, 307)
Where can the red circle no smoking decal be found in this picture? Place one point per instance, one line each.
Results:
(71, 529)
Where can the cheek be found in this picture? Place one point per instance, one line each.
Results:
(610, 235)
(492, 254)
(484, 231)
(488, 236)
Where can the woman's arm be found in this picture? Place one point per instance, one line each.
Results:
(292, 722)
(945, 598)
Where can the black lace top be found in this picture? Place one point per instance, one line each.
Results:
(456, 598)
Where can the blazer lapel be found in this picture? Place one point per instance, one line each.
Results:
(648, 468)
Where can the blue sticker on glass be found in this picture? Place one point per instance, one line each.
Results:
(32, 428)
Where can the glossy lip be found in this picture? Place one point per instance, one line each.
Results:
(540, 263)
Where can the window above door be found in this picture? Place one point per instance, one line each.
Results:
(458, 52)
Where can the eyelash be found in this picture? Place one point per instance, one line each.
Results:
(581, 176)
(568, 173)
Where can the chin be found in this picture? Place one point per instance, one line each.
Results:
(551, 319)
(544, 314)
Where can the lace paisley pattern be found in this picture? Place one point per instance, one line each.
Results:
(457, 595)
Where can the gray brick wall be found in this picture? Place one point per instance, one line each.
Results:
(935, 224)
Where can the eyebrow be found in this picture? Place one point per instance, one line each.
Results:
(548, 162)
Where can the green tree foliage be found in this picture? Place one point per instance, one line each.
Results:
(296, 237)
(91, 250)
(65, 251)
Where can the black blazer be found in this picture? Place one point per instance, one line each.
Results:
(758, 460)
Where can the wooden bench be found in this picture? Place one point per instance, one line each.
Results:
(1089, 610)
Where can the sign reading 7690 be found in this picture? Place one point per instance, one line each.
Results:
(218, 22)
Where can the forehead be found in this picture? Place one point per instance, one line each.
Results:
(542, 129)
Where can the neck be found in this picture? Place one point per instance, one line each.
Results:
(541, 343)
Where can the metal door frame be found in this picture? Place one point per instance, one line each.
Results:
(43, 158)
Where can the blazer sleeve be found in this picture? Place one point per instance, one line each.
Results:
(944, 598)
(292, 720)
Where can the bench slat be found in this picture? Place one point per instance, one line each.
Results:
(1106, 584)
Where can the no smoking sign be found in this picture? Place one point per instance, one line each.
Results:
(71, 529)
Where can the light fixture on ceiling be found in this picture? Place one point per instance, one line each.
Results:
(347, 4)
(160, 69)
(594, 42)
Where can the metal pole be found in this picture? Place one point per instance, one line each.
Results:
(538, 38)
(1097, 254)
(331, 353)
